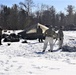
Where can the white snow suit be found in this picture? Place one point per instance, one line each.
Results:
(49, 39)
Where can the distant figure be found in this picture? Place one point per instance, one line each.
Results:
(60, 37)
(40, 34)
(49, 33)
(0, 35)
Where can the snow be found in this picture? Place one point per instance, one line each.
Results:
(25, 58)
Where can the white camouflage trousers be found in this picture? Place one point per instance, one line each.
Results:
(50, 41)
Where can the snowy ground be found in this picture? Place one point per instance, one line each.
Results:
(25, 58)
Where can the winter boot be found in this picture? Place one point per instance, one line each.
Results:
(43, 51)
(50, 50)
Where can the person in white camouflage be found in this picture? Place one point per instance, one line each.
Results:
(60, 37)
(49, 33)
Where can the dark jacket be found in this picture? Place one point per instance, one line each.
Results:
(39, 30)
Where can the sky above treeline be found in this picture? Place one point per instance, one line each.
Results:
(59, 5)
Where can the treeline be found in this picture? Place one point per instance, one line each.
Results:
(21, 16)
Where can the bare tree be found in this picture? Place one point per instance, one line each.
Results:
(70, 14)
(28, 4)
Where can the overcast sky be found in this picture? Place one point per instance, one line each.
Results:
(59, 5)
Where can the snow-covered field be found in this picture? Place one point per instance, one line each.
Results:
(25, 58)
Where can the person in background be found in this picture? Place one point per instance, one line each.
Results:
(40, 34)
(49, 33)
(0, 35)
(60, 37)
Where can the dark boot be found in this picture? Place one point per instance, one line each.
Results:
(50, 50)
(60, 48)
(43, 51)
